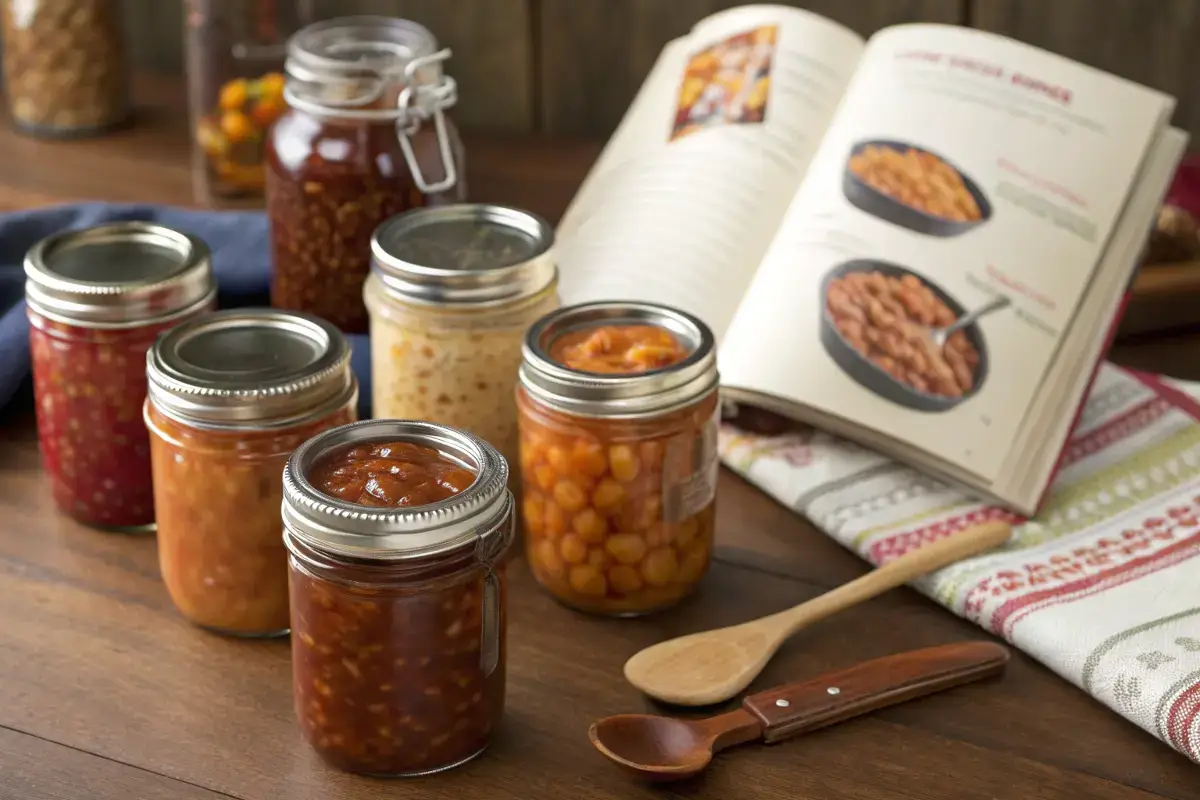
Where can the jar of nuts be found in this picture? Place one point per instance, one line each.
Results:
(235, 53)
(618, 415)
(397, 532)
(452, 291)
(64, 66)
(366, 137)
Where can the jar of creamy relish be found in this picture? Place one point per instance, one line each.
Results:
(397, 532)
(618, 412)
(96, 299)
(231, 396)
(451, 294)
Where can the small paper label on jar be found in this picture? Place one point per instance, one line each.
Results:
(697, 459)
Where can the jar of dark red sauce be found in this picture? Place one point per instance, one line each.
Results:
(397, 532)
(366, 137)
(96, 299)
(231, 396)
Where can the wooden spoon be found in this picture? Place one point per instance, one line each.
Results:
(713, 666)
(667, 749)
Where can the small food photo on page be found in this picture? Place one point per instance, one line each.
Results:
(914, 188)
(902, 337)
(727, 83)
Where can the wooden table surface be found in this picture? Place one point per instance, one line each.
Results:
(107, 694)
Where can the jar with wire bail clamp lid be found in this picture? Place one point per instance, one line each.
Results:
(231, 396)
(618, 413)
(366, 137)
(397, 532)
(451, 294)
(96, 299)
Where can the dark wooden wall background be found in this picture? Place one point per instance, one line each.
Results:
(572, 66)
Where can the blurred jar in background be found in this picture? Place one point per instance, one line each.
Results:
(235, 51)
(65, 70)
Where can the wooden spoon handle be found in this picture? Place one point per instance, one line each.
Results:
(796, 708)
(925, 559)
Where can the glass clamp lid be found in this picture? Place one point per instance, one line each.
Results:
(118, 275)
(376, 68)
(480, 513)
(619, 395)
(250, 368)
(464, 253)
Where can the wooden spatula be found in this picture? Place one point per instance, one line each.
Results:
(713, 666)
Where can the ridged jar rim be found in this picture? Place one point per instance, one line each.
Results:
(475, 515)
(631, 396)
(247, 400)
(501, 284)
(155, 299)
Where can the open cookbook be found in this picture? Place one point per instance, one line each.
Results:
(921, 242)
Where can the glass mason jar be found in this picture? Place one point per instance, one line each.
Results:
(398, 613)
(451, 293)
(366, 137)
(96, 299)
(65, 70)
(231, 396)
(235, 51)
(619, 462)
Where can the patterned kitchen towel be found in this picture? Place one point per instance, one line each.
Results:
(1103, 586)
(240, 255)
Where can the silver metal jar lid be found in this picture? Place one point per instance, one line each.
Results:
(465, 253)
(117, 275)
(250, 368)
(479, 513)
(635, 395)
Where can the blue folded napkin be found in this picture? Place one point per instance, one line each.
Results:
(240, 255)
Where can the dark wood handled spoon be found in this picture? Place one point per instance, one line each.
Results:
(666, 748)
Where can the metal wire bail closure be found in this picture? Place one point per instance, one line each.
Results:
(418, 101)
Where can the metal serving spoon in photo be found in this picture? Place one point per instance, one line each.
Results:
(667, 749)
(940, 335)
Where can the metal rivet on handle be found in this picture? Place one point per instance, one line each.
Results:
(833, 690)
(782, 703)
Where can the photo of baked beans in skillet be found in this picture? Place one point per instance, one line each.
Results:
(878, 321)
(914, 188)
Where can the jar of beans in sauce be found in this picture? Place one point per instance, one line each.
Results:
(231, 396)
(366, 137)
(96, 299)
(618, 415)
(451, 294)
(397, 531)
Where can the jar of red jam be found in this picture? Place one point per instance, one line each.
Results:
(618, 415)
(366, 137)
(397, 532)
(96, 299)
(231, 396)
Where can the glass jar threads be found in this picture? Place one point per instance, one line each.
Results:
(366, 138)
(96, 299)
(65, 71)
(397, 532)
(618, 416)
(235, 51)
(231, 396)
(451, 293)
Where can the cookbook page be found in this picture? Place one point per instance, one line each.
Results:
(965, 172)
(683, 202)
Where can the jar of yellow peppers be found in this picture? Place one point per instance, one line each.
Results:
(235, 54)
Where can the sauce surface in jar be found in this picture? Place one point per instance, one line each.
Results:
(618, 349)
(618, 490)
(398, 650)
(390, 474)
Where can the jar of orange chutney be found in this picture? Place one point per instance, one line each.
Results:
(230, 397)
(96, 299)
(618, 415)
